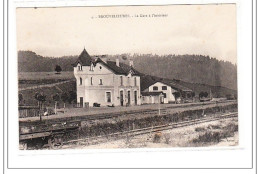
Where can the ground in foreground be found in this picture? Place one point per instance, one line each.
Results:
(215, 133)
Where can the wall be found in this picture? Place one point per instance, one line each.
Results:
(128, 85)
(169, 96)
(150, 99)
(95, 92)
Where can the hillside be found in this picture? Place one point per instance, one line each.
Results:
(187, 68)
(29, 61)
(216, 91)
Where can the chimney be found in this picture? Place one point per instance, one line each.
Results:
(95, 58)
(131, 63)
(117, 62)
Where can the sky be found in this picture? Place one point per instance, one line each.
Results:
(184, 29)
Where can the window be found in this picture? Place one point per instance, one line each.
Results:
(121, 80)
(100, 67)
(108, 97)
(155, 88)
(91, 67)
(80, 81)
(135, 82)
(164, 87)
(100, 82)
(79, 68)
(91, 80)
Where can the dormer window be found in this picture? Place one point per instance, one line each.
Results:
(79, 68)
(91, 67)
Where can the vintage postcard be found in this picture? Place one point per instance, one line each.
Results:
(117, 77)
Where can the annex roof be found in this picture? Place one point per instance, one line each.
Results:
(147, 81)
(177, 86)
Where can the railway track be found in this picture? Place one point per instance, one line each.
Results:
(32, 132)
(149, 130)
(150, 112)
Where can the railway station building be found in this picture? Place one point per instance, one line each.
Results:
(106, 83)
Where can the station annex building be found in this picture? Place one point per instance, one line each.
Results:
(112, 83)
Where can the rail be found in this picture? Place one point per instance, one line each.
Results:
(159, 128)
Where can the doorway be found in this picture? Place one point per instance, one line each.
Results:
(135, 94)
(129, 97)
(81, 102)
(121, 98)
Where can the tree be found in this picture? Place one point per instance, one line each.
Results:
(206, 94)
(193, 94)
(235, 96)
(124, 57)
(229, 97)
(56, 98)
(177, 94)
(201, 94)
(189, 95)
(20, 97)
(41, 98)
(58, 69)
(72, 96)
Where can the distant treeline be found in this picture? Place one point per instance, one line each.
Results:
(190, 68)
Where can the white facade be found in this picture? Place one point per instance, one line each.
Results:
(166, 89)
(98, 83)
(152, 99)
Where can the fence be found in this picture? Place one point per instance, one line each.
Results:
(28, 111)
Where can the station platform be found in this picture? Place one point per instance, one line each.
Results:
(85, 112)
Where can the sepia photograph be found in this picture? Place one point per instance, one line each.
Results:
(117, 77)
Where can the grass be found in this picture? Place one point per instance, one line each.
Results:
(215, 133)
(214, 126)
(199, 129)
(65, 75)
(208, 137)
(167, 138)
(28, 95)
(31, 83)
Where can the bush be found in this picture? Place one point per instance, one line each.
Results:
(214, 127)
(199, 129)
(157, 137)
(232, 127)
(208, 137)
